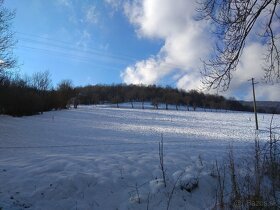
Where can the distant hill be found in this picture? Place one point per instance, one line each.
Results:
(264, 106)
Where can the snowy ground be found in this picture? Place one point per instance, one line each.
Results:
(98, 157)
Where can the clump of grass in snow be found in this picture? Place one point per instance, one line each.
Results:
(253, 184)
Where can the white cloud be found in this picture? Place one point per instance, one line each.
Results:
(81, 16)
(186, 42)
(267, 92)
(67, 3)
(115, 4)
(85, 38)
(79, 12)
(189, 81)
(146, 71)
(91, 15)
(250, 66)
(160, 18)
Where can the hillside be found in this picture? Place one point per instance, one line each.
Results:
(97, 157)
(265, 106)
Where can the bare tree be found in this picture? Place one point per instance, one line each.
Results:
(236, 22)
(7, 60)
(41, 80)
(66, 92)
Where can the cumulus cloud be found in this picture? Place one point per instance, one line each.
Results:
(160, 18)
(251, 66)
(186, 42)
(146, 71)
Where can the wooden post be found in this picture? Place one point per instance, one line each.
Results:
(255, 106)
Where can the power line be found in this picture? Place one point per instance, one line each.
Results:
(42, 37)
(56, 46)
(68, 45)
(91, 52)
(76, 58)
(70, 55)
(69, 51)
(83, 57)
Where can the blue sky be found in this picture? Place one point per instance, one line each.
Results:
(88, 42)
(125, 41)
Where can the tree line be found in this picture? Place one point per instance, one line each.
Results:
(26, 95)
(115, 94)
(33, 95)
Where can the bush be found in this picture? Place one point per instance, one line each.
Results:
(254, 184)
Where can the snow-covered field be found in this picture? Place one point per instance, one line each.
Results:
(97, 157)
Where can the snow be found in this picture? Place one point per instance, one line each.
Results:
(101, 157)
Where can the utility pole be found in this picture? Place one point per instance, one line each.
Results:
(255, 105)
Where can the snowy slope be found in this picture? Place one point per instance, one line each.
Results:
(97, 157)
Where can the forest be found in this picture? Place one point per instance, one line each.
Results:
(34, 95)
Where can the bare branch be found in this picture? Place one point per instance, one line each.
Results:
(235, 21)
(7, 60)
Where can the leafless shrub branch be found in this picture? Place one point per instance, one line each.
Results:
(236, 23)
